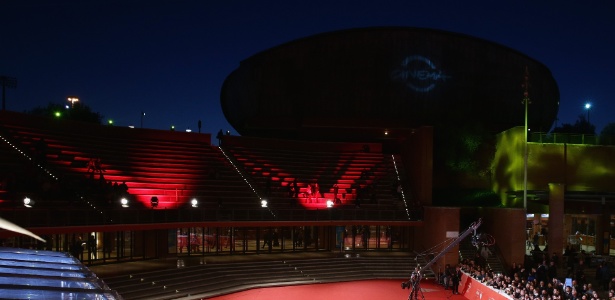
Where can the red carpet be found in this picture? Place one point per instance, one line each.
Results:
(356, 290)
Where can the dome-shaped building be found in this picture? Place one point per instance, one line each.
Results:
(359, 82)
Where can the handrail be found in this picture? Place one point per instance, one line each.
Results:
(63, 216)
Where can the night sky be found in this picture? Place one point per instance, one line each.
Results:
(169, 58)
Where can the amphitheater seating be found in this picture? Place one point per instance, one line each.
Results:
(173, 166)
(176, 167)
(367, 176)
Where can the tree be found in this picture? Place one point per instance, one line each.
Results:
(78, 112)
(581, 126)
(607, 135)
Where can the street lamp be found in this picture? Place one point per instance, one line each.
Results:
(588, 107)
(526, 102)
(72, 101)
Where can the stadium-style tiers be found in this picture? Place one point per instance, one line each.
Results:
(359, 82)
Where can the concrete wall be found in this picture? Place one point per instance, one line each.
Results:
(438, 221)
(507, 226)
(417, 153)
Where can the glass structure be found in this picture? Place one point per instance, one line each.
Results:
(39, 274)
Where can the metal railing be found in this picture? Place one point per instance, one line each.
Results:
(63, 216)
(570, 138)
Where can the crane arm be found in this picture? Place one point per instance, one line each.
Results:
(471, 229)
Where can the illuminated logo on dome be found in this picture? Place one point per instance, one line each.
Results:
(419, 73)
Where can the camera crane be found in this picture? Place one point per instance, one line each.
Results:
(415, 279)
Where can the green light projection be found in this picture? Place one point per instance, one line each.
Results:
(578, 167)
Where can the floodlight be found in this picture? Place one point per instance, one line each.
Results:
(72, 101)
(27, 202)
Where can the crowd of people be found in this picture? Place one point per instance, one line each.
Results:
(542, 279)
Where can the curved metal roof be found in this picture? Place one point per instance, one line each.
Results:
(386, 77)
(38, 274)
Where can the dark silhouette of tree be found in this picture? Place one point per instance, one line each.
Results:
(607, 135)
(78, 112)
(581, 126)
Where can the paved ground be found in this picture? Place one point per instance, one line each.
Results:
(356, 290)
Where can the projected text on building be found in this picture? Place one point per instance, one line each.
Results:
(419, 73)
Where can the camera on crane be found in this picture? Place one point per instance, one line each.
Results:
(405, 285)
(413, 279)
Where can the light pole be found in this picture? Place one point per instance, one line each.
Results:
(526, 102)
(72, 101)
(142, 115)
(588, 107)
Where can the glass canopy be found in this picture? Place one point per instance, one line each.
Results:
(38, 274)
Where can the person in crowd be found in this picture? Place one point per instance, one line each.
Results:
(365, 234)
(267, 239)
(414, 283)
(485, 252)
(522, 285)
(308, 192)
(92, 246)
(446, 276)
(456, 277)
(298, 237)
(536, 241)
(77, 248)
(219, 136)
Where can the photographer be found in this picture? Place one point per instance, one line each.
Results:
(456, 277)
(446, 276)
(413, 283)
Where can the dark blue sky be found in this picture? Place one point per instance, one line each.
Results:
(169, 58)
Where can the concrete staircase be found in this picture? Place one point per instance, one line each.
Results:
(467, 250)
(209, 280)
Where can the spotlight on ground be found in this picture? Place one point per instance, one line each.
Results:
(264, 203)
(194, 202)
(124, 202)
(27, 202)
